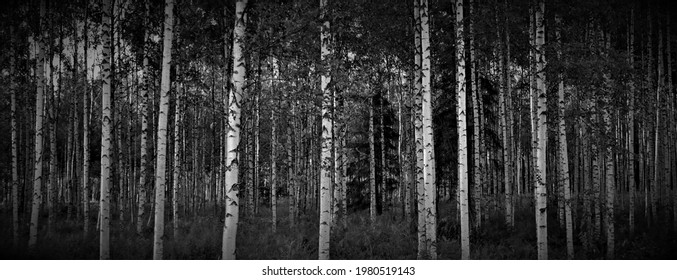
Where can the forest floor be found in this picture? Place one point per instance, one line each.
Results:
(390, 238)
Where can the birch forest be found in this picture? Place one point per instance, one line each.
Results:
(338, 129)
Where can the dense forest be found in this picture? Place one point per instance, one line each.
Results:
(337, 129)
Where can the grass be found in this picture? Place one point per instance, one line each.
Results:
(390, 238)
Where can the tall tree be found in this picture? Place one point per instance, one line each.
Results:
(418, 134)
(145, 83)
(106, 134)
(463, 161)
(85, 127)
(39, 116)
(233, 134)
(327, 137)
(176, 170)
(160, 171)
(273, 143)
(563, 156)
(428, 140)
(477, 171)
(540, 189)
(15, 141)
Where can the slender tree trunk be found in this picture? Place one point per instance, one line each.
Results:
(463, 160)
(428, 140)
(418, 132)
(233, 135)
(145, 82)
(161, 154)
(563, 155)
(344, 175)
(540, 189)
(53, 172)
(39, 116)
(327, 137)
(631, 126)
(372, 166)
(502, 120)
(106, 135)
(176, 176)
(477, 175)
(15, 140)
(292, 180)
(273, 145)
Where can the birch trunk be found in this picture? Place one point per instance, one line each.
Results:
(477, 176)
(540, 189)
(85, 133)
(327, 137)
(176, 176)
(462, 132)
(145, 82)
(418, 132)
(161, 154)
(39, 116)
(563, 156)
(428, 140)
(106, 137)
(233, 135)
(273, 148)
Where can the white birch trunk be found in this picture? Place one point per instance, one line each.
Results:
(327, 137)
(541, 192)
(418, 132)
(106, 136)
(233, 135)
(428, 140)
(161, 154)
(462, 132)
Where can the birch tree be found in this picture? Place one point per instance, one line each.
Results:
(106, 134)
(273, 145)
(327, 137)
(631, 125)
(563, 163)
(176, 179)
(428, 141)
(145, 82)
(233, 134)
(418, 132)
(462, 124)
(161, 163)
(540, 189)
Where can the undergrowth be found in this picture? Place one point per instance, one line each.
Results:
(391, 237)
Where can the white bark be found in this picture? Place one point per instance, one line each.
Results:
(106, 136)
(462, 132)
(540, 192)
(418, 132)
(428, 140)
(233, 135)
(161, 153)
(327, 137)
